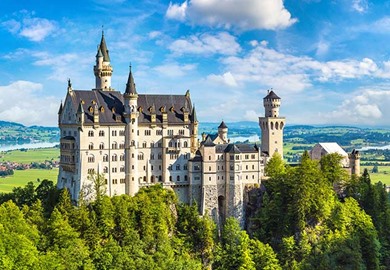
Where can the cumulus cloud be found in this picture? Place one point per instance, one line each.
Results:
(177, 11)
(206, 44)
(33, 28)
(236, 14)
(225, 79)
(360, 6)
(369, 107)
(20, 102)
(174, 69)
(288, 73)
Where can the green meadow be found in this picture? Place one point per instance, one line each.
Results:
(30, 155)
(22, 177)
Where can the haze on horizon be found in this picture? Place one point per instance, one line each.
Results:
(327, 60)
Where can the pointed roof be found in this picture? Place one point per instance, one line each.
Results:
(103, 48)
(193, 115)
(60, 110)
(99, 52)
(272, 95)
(222, 125)
(80, 109)
(208, 142)
(130, 86)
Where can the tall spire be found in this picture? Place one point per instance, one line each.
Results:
(103, 48)
(130, 86)
(193, 114)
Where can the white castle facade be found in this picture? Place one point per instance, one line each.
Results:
(139, 140)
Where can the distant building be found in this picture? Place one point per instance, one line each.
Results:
(350, 162)
(138, 140)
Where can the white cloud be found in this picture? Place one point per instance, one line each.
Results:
(20, 102)
(360, 6)
(236, 14)
(368, 107)
(206, 44)
(176, 11)
(174, 69)
(226, 79)
(34, 29)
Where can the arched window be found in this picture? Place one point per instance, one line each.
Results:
(91, 159)
(105, 169)
(141, 156)
(122, 157)
(152, 179)
(114, 157)
(101, 133)
(105, 158)
(178, 178)
(101, 146)
(272, 125)
(132, 143)
(281, 125)
(90, 133)
(144, 145)
(90, 146)
(277, 125)
(114, 145)
(185, 144)
(185, 177)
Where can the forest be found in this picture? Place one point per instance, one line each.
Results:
(311, 215)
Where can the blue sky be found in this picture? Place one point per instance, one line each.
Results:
(328, 60)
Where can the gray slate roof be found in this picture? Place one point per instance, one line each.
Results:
(110, 104)
(236, 148)
(272, 95)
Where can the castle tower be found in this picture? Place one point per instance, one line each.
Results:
(131, 141)
(272, 125)
(194, 132)
(102, 69)
(354, 162)
(223, 132)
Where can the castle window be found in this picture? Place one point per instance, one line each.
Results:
(253, 167)
(151, 167)
(91, 171)
(101, 133)
(90, 133)
(253, 156)
(101, 146)
(122, 145)
(210, 178)
(253, 177)
(237, 157)
(105, 169)
(122, 169)
(121, 133)
(144, 145)
(132, 155)
(276, 125)
(114, 157)
(132, 143)
(115, 181)
(113, 170)
(105, 158)
(185, 167)
(152, 178)
(90, 146)
(159, 167)
(185, 178)
(170, 132)
(218, 168)
(185, 144)
(178, 167)
(151, 156)
(122, 157)
(170, 167)
(152, 145)
(105, 181)
(113, 133)
(246, 177)
(122, 180)
(246, 156)
(231, 157)
(246, 167)
(159, 132)
(209, 168)
(144, 168)
(140, 156)
(181, 131)
(91, 159)
(160, 178)
(147, 132)
(178, 178)
(209, 157)
(114, 145)
(170, 144)
(196, 167)
(170, 178)
(272, 125)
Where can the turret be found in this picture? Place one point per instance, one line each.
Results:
(131, 129)
(354, 162)
(102, 69)
(59, 113)
(194, 132)
(223, 132)
(271, 104)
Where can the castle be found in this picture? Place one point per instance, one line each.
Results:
(138, 140)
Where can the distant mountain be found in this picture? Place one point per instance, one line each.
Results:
(9, 124)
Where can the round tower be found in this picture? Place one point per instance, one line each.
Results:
(272, 125)
(223, 131)
(131, 130)
(271, 104)
(102, 70)
(354, 162)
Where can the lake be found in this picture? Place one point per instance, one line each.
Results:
(8, 147)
